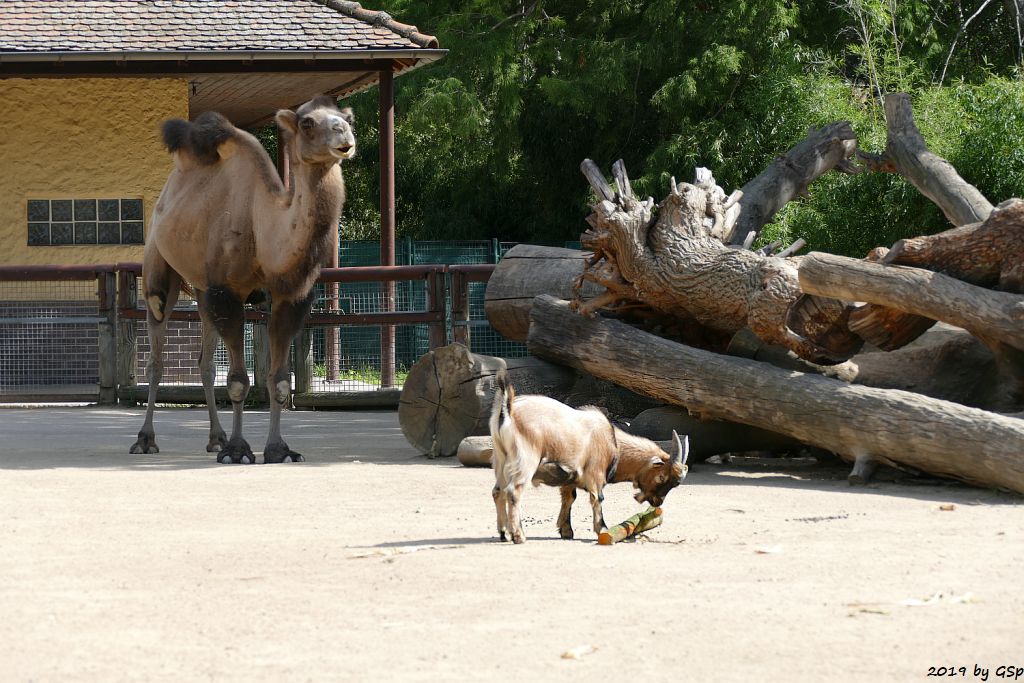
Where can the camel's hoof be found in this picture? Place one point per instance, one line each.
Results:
(279, 454)
(236, 453)
(217, 443)
(145, 444)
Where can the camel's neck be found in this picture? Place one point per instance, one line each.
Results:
(299, 242)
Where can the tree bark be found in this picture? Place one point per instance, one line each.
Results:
(790, 174)
(524, 272)
(996, 318)
(707, 437)
(907, 154)
(673, 265)
(891, 426)
(449, 393)
(983, 312)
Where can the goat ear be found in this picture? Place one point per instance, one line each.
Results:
(287, 120)
(347, 114)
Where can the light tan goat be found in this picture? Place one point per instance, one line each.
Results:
(541, 440)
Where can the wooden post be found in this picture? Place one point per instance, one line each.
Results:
(304, 362)
(387, 221)
(127, 348)
(260, 361)
(436, 301)
(460, 309)
(107, 291)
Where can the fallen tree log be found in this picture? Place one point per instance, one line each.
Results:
(669, 263)
(996, 318)
(789, 175)
(707, 437)
(449, 393)
(890, 426)
(907, 154)
(986, 248)
(983, 312)
(525, 271)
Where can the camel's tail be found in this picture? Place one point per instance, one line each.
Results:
(200, 138)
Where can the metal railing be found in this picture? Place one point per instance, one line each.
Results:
(77, 334)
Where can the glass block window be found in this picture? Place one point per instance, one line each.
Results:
(84, 221)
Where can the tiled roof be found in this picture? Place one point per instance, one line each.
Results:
(200, 25)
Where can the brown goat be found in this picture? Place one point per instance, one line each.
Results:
(541, 440)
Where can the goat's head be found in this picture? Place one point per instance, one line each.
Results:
(663, 473)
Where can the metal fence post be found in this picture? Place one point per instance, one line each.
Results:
(127, 346)
(107, 337)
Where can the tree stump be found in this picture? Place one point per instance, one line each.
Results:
(449, 394)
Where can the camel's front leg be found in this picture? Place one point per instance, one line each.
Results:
(286, 320)
(225, 309)
(162, 288)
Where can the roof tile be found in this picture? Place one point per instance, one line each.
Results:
(200, 25)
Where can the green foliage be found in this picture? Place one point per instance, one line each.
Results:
(489, 139)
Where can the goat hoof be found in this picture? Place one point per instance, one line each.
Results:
(502, 537)
(518, 538)
(236, 452)
(566, 534)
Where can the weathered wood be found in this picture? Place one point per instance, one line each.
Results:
(907, 154)
(707, 437)
(996, 315)
(107, 333)
(385, 398)
(987, 254)
(789, 175)
(476, 451)
(892, 426)
(449, 393)
(670, 263)
(524, 272)
(127, 349)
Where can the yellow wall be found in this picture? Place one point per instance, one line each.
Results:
(81, 138)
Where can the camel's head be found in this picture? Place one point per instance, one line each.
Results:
(318, 131)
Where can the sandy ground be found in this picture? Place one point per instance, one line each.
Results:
(369, 562)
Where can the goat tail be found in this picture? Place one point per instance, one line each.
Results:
(200, 138)
(504, 394)
(502, 415)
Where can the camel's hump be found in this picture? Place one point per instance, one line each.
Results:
(200, 138)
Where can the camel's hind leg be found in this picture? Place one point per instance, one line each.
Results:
(208, 371)
(161, 287)
(224, 307)
(286, 320)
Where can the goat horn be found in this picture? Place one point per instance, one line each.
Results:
(682, 449)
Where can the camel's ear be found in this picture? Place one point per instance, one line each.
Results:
(287, 120)
(347, 114)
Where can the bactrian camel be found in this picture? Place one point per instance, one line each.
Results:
(226, 225)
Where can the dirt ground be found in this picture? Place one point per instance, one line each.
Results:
(370, 562)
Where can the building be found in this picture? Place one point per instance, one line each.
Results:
(86, 83)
